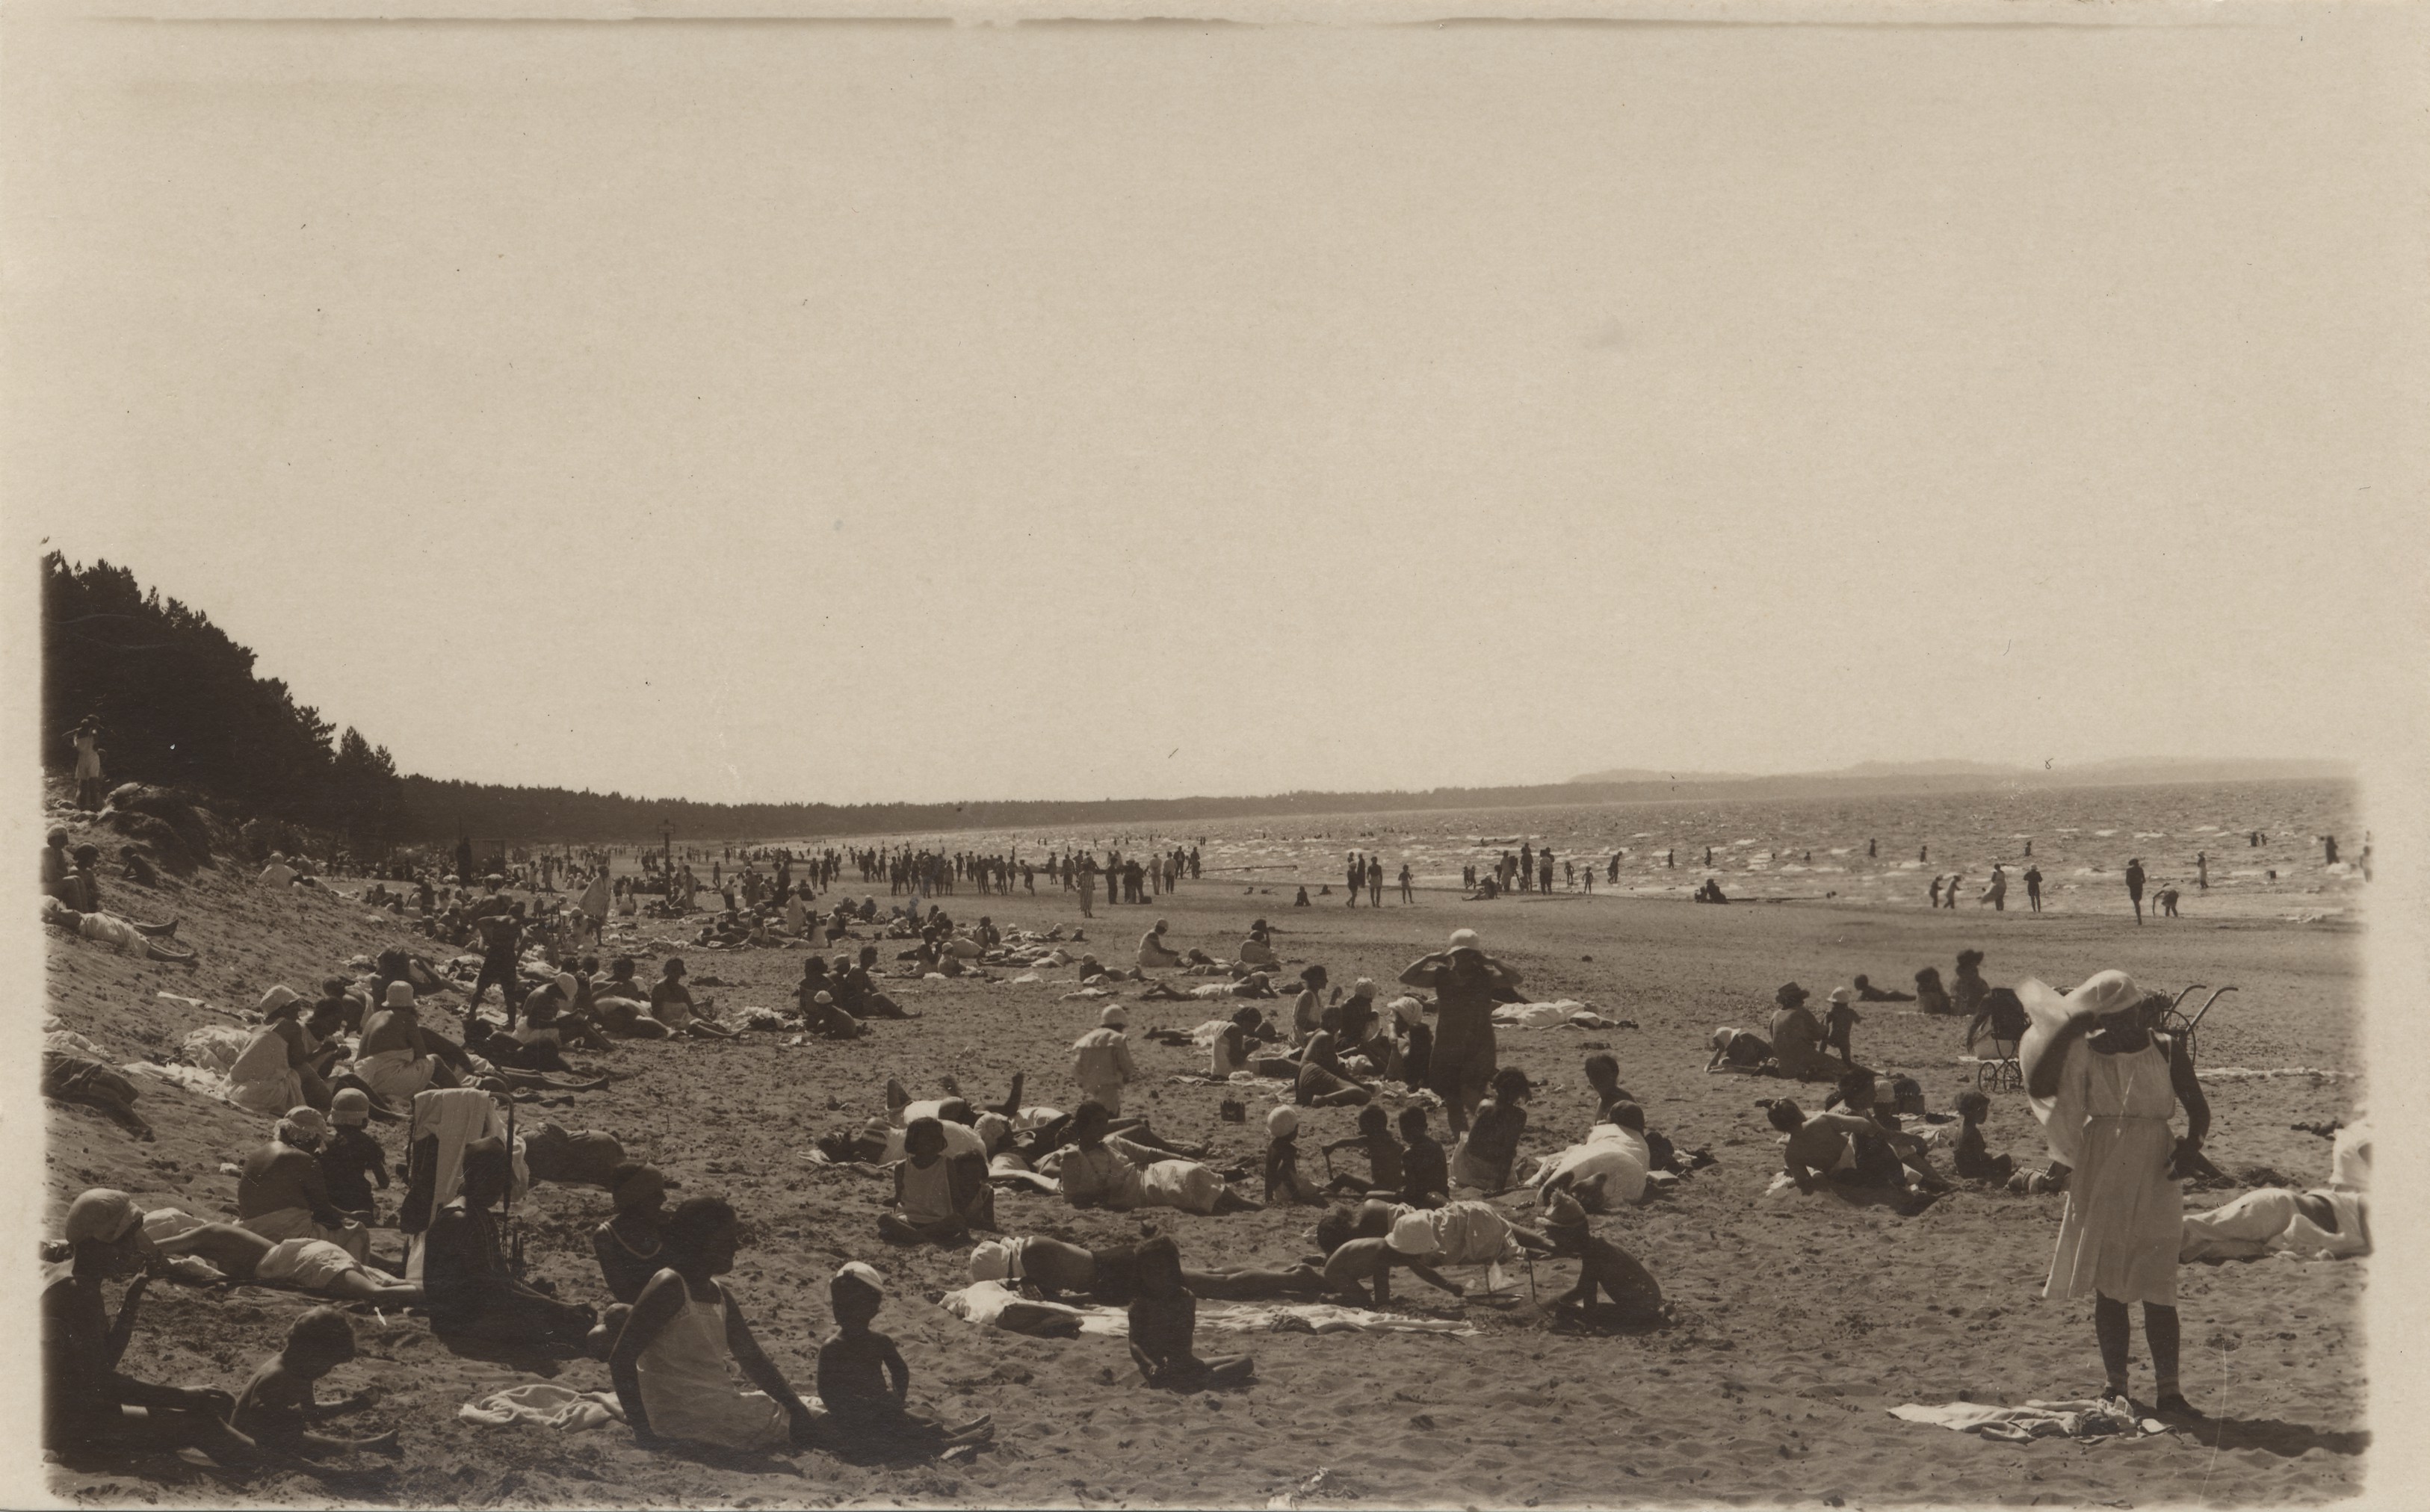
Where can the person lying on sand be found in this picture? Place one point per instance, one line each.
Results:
(670, 1356)
(308, 1265)
(1736, 1050)
(1868, 993)
(1102, 1169)
(1053, 1269)
(865, 1384)
(276, 1408)
(92, 1408)
(1164, 1325)
(2333, 1220)
(109, 929)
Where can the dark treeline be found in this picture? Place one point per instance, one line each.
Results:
(179, 705)
(440, 810)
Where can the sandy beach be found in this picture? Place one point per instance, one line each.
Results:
(1801, 1321)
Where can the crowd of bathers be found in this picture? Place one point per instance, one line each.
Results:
(333, 1072)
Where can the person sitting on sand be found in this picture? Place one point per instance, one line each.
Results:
(1307, 1009)
(1236, 1041)
(1840, 1019)
(1114, 1172)
(1302, 900)
(822, 1016)
(1868, 993)
(938, 1199)
(1283, 1178)
(276, 1408)
(856, 989)
(280, 1193)
(1796, 1039)
(92, 1407)
(1383, 1153)
(1966, 996)
(1483, 1156)
(1322, 1080)
(673, 1359)
(623, 1004)
(351, 1158)
(631, 1245)
(2003, 1014)
(1601, 1266)
(274, 1071)
(1426, 1167)
(671, 1004)
(1360, 1269)
(470, 1291)
(397, 1057)
(1164, 1325)
(1153, 953)
(1258, 950)
(1930, 996)
(865, 1384)
(1852, 1149)
(1974, 1160)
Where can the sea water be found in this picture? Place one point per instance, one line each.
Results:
(1798, 849)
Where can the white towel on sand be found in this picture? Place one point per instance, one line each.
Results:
(545, 1402)
(2035, 1420)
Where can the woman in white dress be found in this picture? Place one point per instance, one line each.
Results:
(2104, 1087)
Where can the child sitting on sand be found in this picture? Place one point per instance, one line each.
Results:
(936, 1200)
(1372, 1260)
(1838, 1020)
(1603, 1075)
(1282, 1160)
(277, 1402)
(1975, 1161)
(1484, 1158)
(352, 1154)
(864, 1383)
(1383, 1154)
(1602, 1265)
(1426, 1171)
(1164, 1324)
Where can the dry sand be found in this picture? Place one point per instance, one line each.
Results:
(1800, 1323)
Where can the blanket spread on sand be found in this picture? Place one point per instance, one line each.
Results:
(2035, 1420)
(544, 1403)
(985, 1303)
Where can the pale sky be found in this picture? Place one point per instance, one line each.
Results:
(853, 414)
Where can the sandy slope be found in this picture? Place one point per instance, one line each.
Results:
(1801, 1323)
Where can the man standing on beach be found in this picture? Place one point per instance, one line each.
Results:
(1466, 983)
(2135, 885)
(2034, 887)
(2202, 870)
